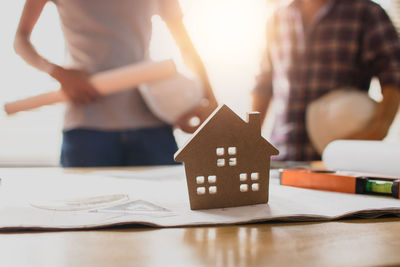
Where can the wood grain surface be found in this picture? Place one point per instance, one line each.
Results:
(340, 243)
(345, 243)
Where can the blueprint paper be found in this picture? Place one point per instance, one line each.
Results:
(57, 199)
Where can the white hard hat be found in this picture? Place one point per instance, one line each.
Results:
(337, 115)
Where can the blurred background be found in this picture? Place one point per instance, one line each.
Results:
(228, 34)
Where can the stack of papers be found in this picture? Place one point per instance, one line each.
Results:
(57, 199)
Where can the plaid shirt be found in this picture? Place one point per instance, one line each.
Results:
(349, 42)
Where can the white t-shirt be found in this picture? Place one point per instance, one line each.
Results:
(105, 34)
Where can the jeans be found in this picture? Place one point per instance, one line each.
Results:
(141, 147)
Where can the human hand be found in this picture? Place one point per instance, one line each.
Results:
(370, 133)
(75, 85)
(377, 129)
(194, 118)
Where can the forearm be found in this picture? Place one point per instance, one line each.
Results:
(388, 107)
(22, 43)
(24, 48)
(190, 56)
(192, 59)
(384, 114)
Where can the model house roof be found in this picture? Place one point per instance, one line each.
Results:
(224, 124)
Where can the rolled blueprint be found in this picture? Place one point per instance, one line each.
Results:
(171, 98)
(106, 82)
(377, 157)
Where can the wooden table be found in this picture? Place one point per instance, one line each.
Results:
(348, 243)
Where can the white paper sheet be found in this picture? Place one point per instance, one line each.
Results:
(363, 156)
(40, 199)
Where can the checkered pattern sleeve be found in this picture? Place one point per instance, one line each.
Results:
(381, 46)
(264, 78)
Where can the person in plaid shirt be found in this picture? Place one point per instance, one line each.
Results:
(316, 46)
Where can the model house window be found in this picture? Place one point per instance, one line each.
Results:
(201, 190)
(255, 187)
(231, 150)
(249, 184)
(212, 179)
(220, 162)
(212, 190)
(226, 156)
(200, 179)
(206, 184)
(244, 188)
(254, 176)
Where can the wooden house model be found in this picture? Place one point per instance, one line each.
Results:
(227, 161)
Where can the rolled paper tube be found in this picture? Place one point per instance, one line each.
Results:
(376, 157)
(106, 82)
